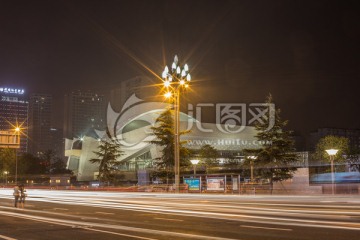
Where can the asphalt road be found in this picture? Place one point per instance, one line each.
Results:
(109, 215)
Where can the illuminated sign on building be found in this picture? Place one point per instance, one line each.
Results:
(12, 90)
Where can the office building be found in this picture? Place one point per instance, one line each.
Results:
(143, 88)
(40, 110)
(84, 112)
(14, 113)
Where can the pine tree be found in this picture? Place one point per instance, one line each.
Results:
(275, 160)
(164, 132)
(108, 153)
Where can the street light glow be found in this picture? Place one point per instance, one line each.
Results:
(178, 78)
(186, 67)
(168, 95)
(194, 161)
(167, 83)
(183, 73)
(331, 152)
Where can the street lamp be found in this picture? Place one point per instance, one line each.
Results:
(252, 158)
(17, 131)
(6, 173)
(332, 153)
(194, 163)
(176, 79)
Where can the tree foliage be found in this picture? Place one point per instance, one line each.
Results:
(31, 164)
(275, 161)
(107, 154)
(332, 142)
(7, 160)
(208, 157)
(164, 132)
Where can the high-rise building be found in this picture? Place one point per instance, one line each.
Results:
(143, 87)
(14, 113)
(57, 142)
(40, 109)
(84, 112)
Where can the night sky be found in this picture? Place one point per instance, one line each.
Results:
(306, 53)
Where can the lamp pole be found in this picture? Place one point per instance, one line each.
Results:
(175, 80)
(17, 131)
(332, 153)
(252, 158)
(6, 173)
(194, 163)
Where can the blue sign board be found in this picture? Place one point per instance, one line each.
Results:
(193, 183)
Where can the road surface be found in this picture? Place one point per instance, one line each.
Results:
(112, 215)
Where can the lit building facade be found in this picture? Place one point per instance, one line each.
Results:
(131, 126)
(14, 112)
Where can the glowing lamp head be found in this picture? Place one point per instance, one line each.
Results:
(183, 73)
(17, 129)
(186, 67)
(182, 82)
(332, 152)
(194, 161)
(167, 84)
(164, 74)
(168, 95)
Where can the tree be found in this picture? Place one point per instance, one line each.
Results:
(30, 164)
(164, 132)
(59, 167)
(274, 161)
(332, 142)
(46, 160)
(208, 156)
(7, 159)
(108, 153)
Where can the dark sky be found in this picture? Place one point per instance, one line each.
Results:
(306, 53)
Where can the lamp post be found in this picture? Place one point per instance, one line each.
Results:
(6, 173)
(252, 158)
(194, 163)
(332, 153)
(175, 80)
(17, 131)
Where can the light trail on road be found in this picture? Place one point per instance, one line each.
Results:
(277, 214)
